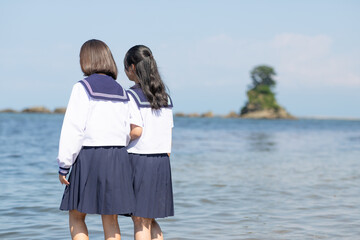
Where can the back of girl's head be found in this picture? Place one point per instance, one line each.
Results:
(147, 73)
(96, 57)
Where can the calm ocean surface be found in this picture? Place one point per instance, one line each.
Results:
(232, 179)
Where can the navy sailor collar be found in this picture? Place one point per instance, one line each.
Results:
(104, 87)
(141, 99)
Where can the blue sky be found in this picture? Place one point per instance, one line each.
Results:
(204, 49)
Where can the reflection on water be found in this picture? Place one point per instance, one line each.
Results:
(232, 178)
(261, 141)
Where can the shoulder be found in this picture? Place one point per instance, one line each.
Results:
(78, 88)
(131, 97)
(78, 95)
(138, 96)
(78, 85)
(136, 91)
(141, 100)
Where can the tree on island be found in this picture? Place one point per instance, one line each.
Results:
(263, 75)
(261, 99)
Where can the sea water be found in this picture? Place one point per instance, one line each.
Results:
(232, 179)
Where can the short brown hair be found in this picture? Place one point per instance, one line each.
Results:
(96, 57)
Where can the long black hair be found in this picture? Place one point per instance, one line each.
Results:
(147, 73)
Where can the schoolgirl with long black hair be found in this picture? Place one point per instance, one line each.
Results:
(151, 133)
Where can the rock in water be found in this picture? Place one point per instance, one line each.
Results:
(232, 115)
(8, 110)
(268, 114)
(207, 115)
(36, 110)
(60, 110)
(262, 104)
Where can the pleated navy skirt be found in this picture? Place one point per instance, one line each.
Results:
(152, 185)
(100, 182)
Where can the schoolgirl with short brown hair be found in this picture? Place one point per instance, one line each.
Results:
(93, 142)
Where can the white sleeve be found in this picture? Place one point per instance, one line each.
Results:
(72, 132)
(135, 114)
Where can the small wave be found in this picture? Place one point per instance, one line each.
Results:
(218, 185)
(354, 139)
(6, 235)
(207, 201)
(28, 211)
(14, 156)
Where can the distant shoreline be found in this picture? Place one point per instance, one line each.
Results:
(329, 118)
(62, 110)
(36, 109)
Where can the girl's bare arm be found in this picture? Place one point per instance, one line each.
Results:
(135, 131)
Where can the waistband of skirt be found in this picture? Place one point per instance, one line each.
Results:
(151, 154)
(102, 147)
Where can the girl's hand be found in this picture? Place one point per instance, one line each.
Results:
(63, 180)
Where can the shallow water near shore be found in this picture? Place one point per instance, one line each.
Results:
(232, 179)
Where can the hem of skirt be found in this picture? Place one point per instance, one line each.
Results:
(150, 154)
(162, 216)
(126, 212)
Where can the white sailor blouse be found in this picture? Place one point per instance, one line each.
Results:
(157, 124)
(97, 115)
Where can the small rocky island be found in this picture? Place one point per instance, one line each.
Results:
(261, 99)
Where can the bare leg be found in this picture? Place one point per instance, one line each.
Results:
(78, 229)
(142, 228)
(111, 227)
(156, 233)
